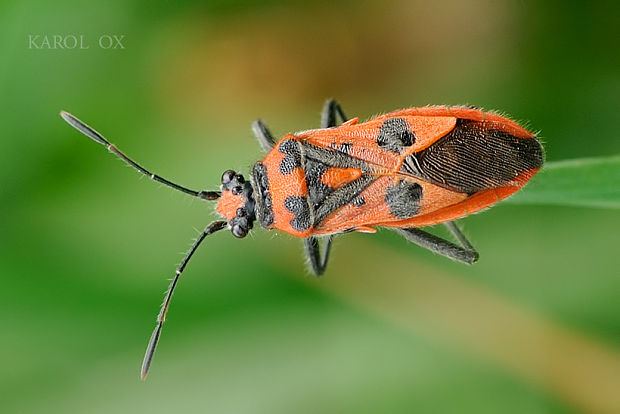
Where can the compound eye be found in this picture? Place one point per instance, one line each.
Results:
(239, 232)
(227, 176)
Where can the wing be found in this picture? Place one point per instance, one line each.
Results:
(347, 193)
(388, 201)
(419, 166)
(384, 140)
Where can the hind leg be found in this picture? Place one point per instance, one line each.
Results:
(464, 253)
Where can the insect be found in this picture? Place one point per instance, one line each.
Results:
(403, 170)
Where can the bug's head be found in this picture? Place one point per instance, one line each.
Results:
(237, 203)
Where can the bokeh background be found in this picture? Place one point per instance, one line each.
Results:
(87, 246)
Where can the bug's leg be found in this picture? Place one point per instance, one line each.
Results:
(264, 137)
(331, 109)
(465, 254)
(318, 261)
(458, 234)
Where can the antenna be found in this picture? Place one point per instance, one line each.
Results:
(97, 137)
(210, 229)
(161, 317)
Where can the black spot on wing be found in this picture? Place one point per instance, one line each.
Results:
(404, 199)
(394, 135)
(300, 208)
(264, 204)
(292, 151)
(472, 158)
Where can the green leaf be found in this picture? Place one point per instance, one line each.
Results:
(588, 182)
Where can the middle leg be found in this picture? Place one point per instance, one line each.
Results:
(331, 109)
(318, 262)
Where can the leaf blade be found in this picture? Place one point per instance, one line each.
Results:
(586, 182)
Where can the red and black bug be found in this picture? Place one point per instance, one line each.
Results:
(403, 170)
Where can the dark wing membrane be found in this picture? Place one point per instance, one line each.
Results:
(471, 158)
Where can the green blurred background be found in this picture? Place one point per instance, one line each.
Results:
(534, 327)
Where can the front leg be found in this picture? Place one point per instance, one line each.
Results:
(331, 109)
(264, 137)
